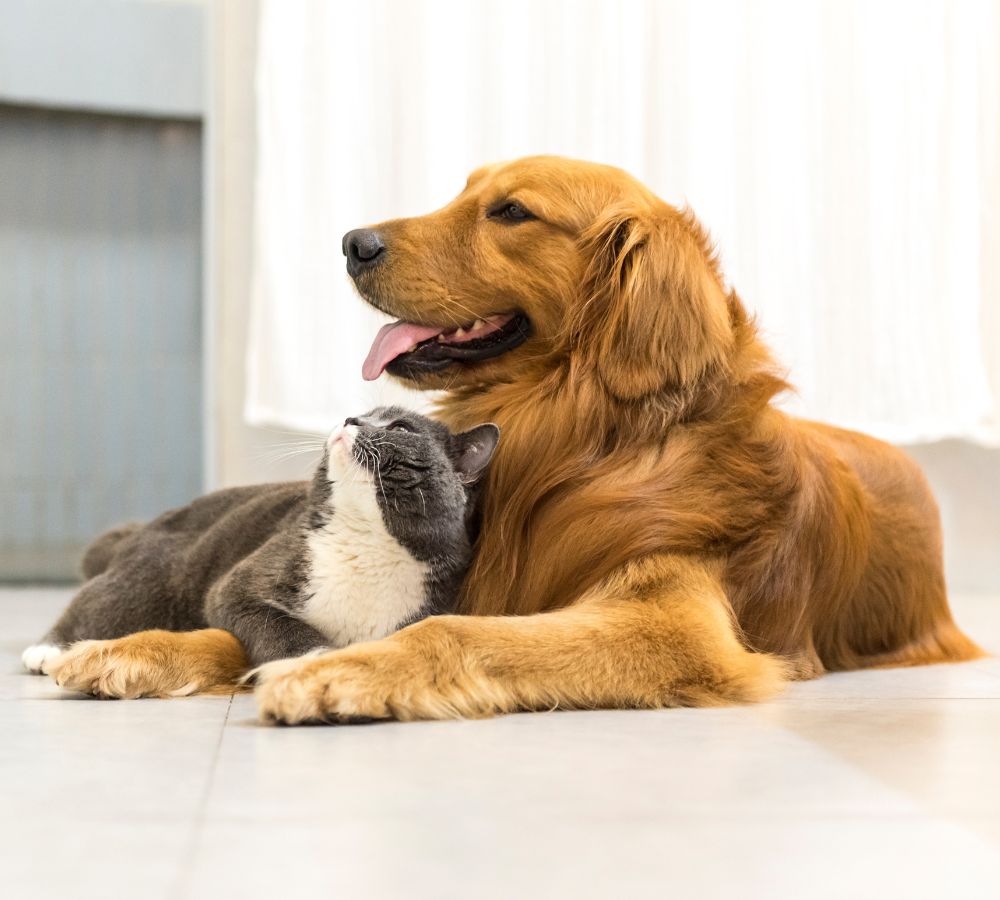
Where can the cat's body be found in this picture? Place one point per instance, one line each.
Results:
(379, 538)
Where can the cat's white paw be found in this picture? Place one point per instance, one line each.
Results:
(37, 657)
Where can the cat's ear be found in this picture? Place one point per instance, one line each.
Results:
(472, 451)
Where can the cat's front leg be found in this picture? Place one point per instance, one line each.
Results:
(267, 630)
(153, 664)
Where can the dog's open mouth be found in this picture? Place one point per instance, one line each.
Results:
(407, 349)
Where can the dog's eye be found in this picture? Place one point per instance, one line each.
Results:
(399, 426)
(512, 212)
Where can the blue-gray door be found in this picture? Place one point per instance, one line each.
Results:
(100, 329)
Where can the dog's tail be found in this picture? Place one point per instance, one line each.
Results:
(943, 643)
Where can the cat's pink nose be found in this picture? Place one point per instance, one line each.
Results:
(343, 437)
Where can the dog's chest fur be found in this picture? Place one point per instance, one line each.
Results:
(363, 584)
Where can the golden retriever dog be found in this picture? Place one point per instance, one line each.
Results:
(654, 531)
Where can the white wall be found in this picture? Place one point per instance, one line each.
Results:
(966, 480)
(236, 453)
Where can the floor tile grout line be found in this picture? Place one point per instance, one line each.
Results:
(183, 884)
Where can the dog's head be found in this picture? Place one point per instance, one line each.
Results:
(544, 261)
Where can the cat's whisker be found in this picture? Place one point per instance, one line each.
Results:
(287, 449)
(296, 438)
(378, 472)
(365, 459)
(312, 440)
(286, 454)
(277, 451)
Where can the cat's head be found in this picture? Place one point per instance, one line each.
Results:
(422, 476)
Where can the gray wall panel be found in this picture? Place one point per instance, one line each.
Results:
(100, 329)
(143, 57)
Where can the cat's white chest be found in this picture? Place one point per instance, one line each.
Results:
(363, 584)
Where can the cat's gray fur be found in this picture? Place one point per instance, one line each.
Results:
(275, 564)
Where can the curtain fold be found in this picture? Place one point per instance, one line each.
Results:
(843, 155)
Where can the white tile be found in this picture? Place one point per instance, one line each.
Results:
(938, 754)
(955, 681)
(596, 857)
(57, 858)
(25, 615)
(877, 783)
(107, 761)
(632, 764)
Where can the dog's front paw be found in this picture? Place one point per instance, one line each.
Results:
(152, 664)
(101, 668)
(416, 673)
(338, 686)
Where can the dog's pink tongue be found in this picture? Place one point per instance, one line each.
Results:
(392, 340)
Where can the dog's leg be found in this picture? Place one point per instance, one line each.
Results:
(153, 664)
(657, 633)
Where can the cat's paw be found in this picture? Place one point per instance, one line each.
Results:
(37, 657)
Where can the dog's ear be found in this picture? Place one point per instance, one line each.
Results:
(653, 311)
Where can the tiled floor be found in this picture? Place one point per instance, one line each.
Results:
(878, 784)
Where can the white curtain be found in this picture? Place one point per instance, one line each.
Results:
(844, 156)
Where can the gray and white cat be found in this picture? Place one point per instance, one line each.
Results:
(381, 537)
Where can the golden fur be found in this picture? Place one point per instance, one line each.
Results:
(153, 664)
(655, 532)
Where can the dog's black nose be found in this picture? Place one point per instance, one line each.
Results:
(363, 248)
